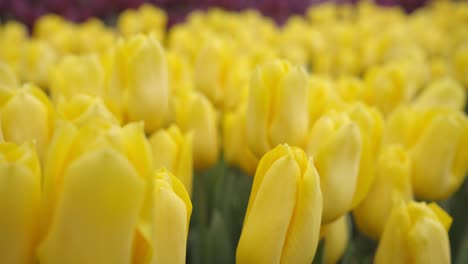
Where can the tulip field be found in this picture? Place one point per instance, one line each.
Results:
(336, 134)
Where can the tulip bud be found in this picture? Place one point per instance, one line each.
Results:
(194, 112)
(438, 136)
(28, 115)
(236, 149)
(444, 144)
(285, 191)
(211, 69)
(415, 233)
(322, 95)
(392, 185)
(350, 89)
(444, 93)
(83, 110)
(180, 74)
(75, 75)
(20, 193)
(96, 189)
(277, 107)
(138, 81)
(336, 236)
(370, 123)
(388, 86)
(172, 211)
(173, 150)
(147, 19)
(37, 59)
(335, 142)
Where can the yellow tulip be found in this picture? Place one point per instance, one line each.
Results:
(370, 123)
(322, 96)
(445, 93)
(388, 86)
(350, 89)
(138, 81)
(173, 150)
(147, 19)
(194, 112)
(212, 68)
(37, 59)
(277, 108)
(13, 36)
(436, 136)
(336, 236)
(236, 150)
(180, 74)
(83, 110)
(96, 187)
(335, 142)
(75, 75)
(415, 233)
(20, 193)
(172, 211)
(285, 191)
(28, 115)
(392, 184)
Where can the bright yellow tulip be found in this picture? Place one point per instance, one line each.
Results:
(20, 195)
(335, 142)
(392, 185)
(286, 191)
(236, 149)
(415, 233)
(336, 236)
(28, 115)
(194, 112)
(277, 108)
(444, 93)
(37, 59)
(173, 150)
(138, 81)
(97, 183)
(75, 75)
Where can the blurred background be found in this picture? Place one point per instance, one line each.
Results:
(27, 11)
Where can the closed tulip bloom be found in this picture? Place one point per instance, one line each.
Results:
(443, 144)
(335, 142)
(336, 236)
(28, 115)
(388, 86)
(322, 96)
(444, 93)
(37, 59)
(20, 194)
(436, 136)
(194, 112)
(172, 211)
(236, 149)
(75, 75)
(172, 150)
(96, 182)
(286, 191)
(212, 68)
(370, 123)
(83, 110)
(147, 19)
(138, 81)
(415, 233)
(392, 185)
(277, 108)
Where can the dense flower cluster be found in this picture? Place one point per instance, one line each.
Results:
(350, 109)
